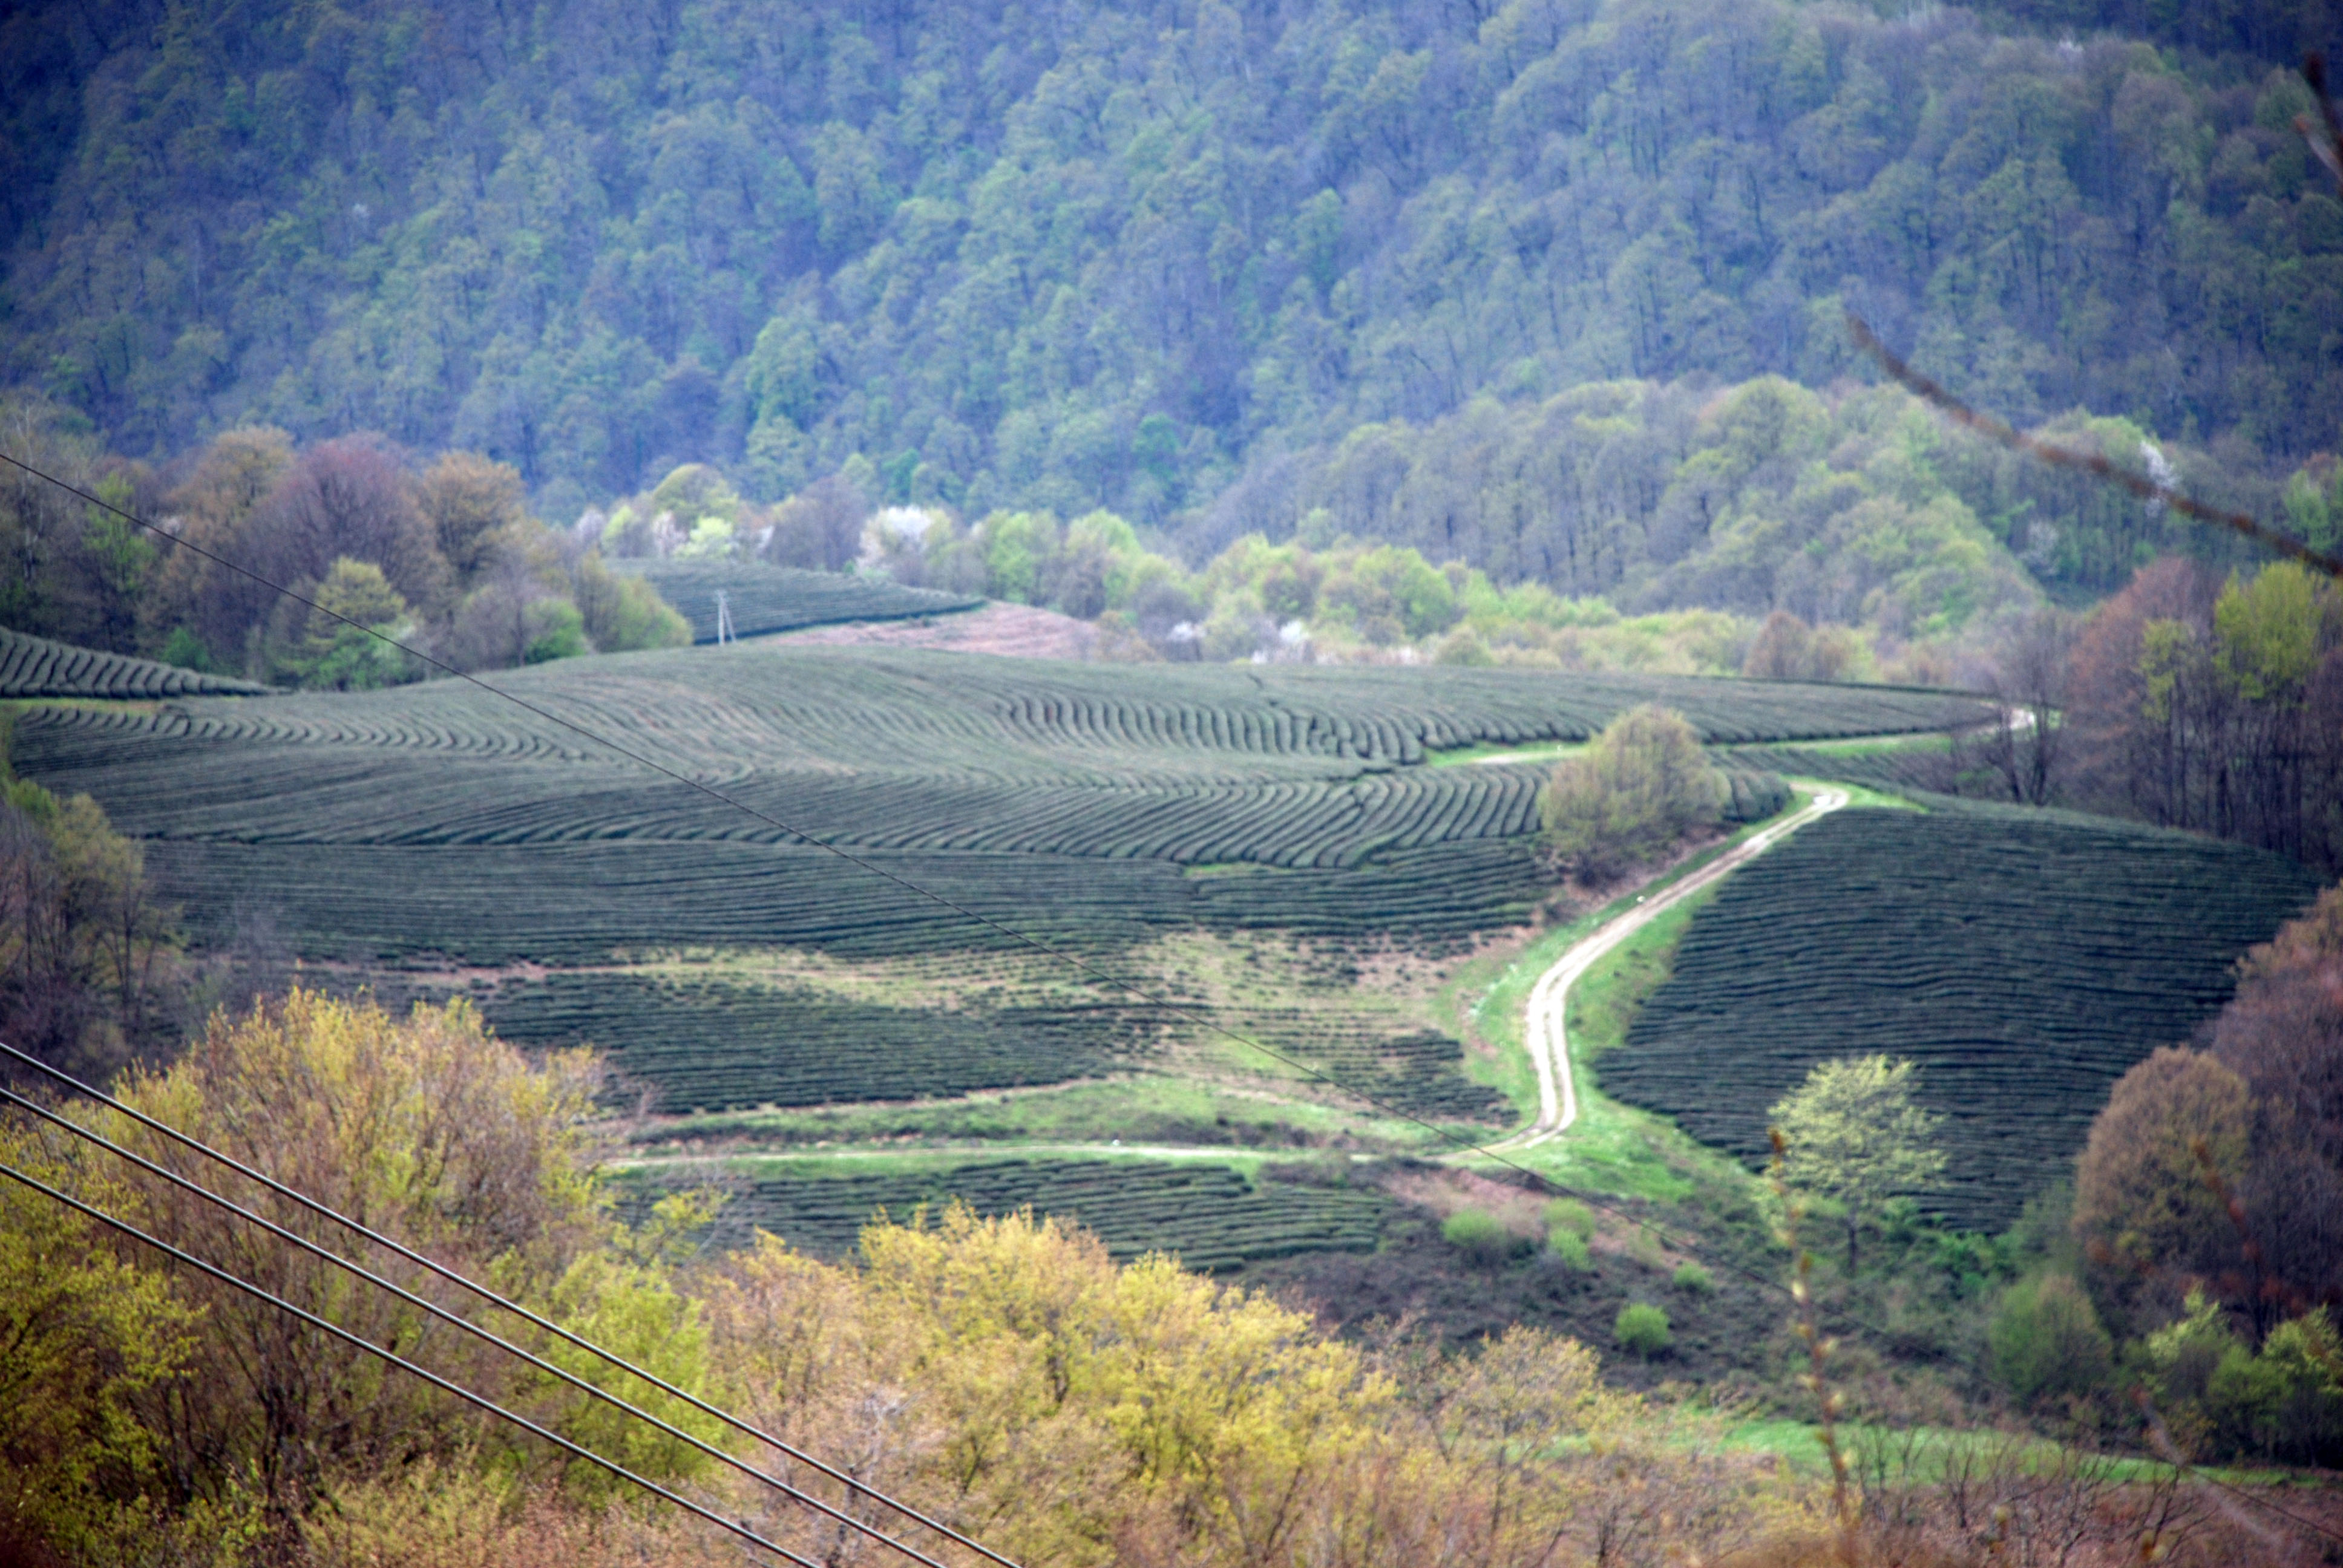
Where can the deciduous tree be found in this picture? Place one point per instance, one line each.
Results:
(1640, 786)
(2142, 1201)
(431, 1131)
(1855, 1136)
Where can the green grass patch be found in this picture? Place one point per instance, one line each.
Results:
(1926, 1454)
(1147, 1110)
(1496, 751)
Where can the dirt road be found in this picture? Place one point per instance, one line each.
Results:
(1549, 1045)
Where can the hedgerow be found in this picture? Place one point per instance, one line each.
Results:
(1208, 1214)
(2023, 960)
(769, 598)
(34, 667)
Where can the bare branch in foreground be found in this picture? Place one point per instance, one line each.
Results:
(2091, 463)
(2325, 138)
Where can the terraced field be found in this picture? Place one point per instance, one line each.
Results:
(1098, 807)
(1897, 769)
(1208, 1214)
(723, 1047)
(2024, 960)
(703, 1042)
(767, 599)
(34, 667)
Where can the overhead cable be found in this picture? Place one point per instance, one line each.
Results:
(484, 1292)
(403, 1294)
(446, 1385)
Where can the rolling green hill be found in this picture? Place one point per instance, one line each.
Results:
(1111, 808)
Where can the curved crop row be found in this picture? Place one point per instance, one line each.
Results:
(855, 709)
(33, 666)
(2025, 961)
(911, 753)
(703, 1047)
(1896, 770)
(769, 598)
(583, 903)
(1208, 1214)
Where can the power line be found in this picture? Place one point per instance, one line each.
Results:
(491, 1297)
(1539, 1179)
(446, 1384)
(464, 1323)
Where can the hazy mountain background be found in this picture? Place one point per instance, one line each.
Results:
(1209, 266)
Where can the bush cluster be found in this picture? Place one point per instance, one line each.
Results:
(1004, 1374)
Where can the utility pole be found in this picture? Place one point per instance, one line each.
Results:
(724, 632)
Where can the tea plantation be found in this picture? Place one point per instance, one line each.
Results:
(1208, 1214)
(700, 1044)
(34, 667)
(1067, 796)
(721, 1047)
(768, 598)
(904, 750)
(582, 903)
(2024, 960)
(1098, 807)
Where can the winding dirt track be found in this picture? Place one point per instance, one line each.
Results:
(1549, 1045)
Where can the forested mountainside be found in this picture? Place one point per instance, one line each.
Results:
(1069, 255)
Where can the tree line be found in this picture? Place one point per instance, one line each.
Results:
(2191, 700)
(444, 555)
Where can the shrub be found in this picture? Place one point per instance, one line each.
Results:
(1693, 1279)
(1479, 1236)
(1571, 1248)
(1753, 796)
(622, 614)
(556, 630)
(1570, 1214)
(1642, 1328)
(2284, 1404)
(186, 650)
(2046, 1340)
(1642, 786)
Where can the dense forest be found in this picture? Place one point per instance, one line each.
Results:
(1067, 257)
